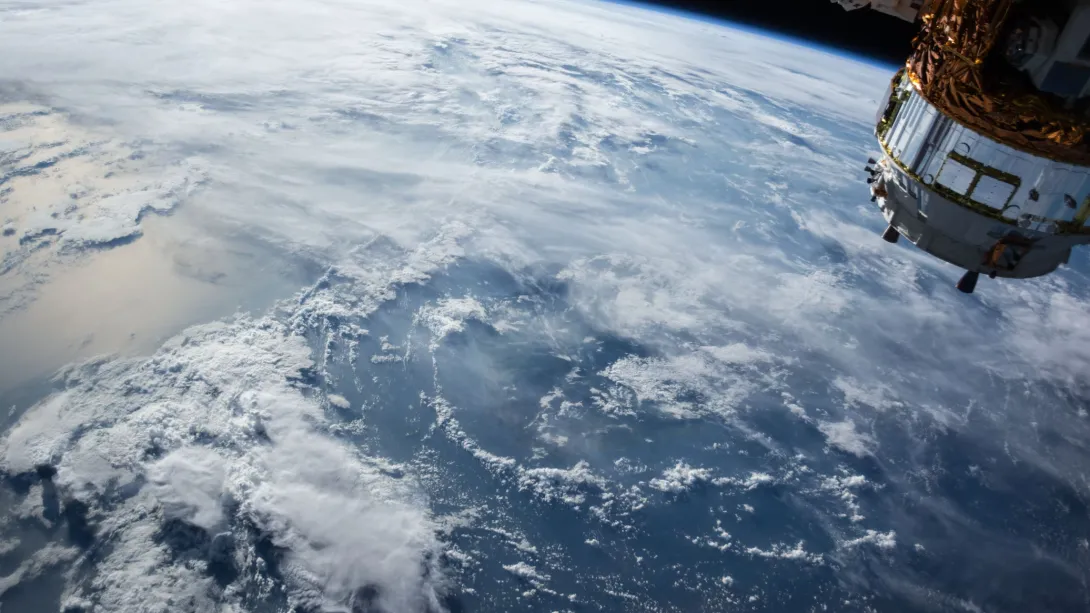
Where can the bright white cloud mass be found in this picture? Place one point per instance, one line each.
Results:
(448, 306)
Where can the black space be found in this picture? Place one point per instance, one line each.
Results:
(864, 32)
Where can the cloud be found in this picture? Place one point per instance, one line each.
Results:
(189, 483)
(680, 478)
(225, 440)
(845, 437)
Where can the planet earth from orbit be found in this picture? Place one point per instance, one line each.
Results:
(435, 306)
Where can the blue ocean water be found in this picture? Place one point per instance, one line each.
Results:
(662, 552)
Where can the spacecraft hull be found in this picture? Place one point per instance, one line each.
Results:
(970, 200)
(966, 238)
(985, 134)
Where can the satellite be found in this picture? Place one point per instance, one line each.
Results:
(985, 134)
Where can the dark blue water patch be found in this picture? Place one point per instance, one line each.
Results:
(80, 531)
(63, 521)
(1023, 583)
(38, 594)
(585, 569)
(14, 402)
(21, 482)
(608, 444)
(473, 376)
(183, 539)
(397, 419)
(658, 560)
(390, 391)
(1016, 499)
(461, 481)
(959, 495)
(974, 564)
(455, 479)
(52, 513)
(787, 433)
(262, 587)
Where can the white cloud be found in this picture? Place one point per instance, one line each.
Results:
(680, 478)
(561, 484)
(845, 437)
(449, 316)
(339, 401)
(684, 387)
(217, 403)
(882, 540)
(189, 483)
(783, 552)
(525, 571)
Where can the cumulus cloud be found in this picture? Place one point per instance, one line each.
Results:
(845, 437)
(238, 448)
(189, 484)
(679, 478)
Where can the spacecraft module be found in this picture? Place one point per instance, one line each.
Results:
(984, 134)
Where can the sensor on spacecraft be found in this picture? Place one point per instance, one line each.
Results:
(986, 134)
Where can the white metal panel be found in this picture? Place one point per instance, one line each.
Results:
(905, 9)
(992, 192)
(956, 177)
(921, 138)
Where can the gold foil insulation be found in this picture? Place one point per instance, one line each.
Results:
(951, 67)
